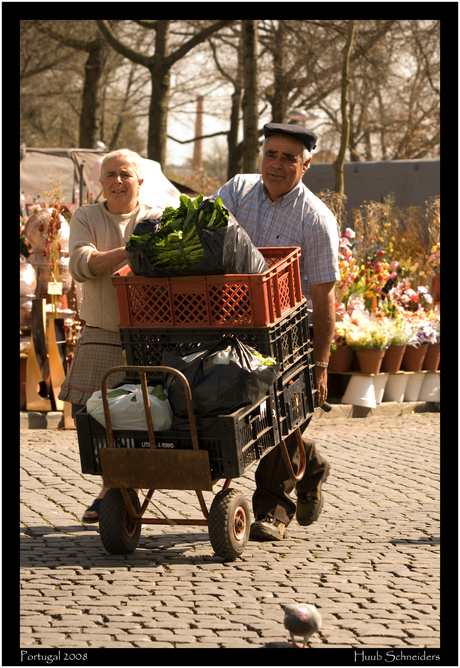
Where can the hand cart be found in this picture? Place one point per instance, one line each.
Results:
(125, 470)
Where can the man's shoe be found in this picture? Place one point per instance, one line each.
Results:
(310, 504)
(268, 528)
(94, 509)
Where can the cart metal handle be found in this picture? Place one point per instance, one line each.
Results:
(287, 460)
(143, 371)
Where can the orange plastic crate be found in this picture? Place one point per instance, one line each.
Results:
(227, 300)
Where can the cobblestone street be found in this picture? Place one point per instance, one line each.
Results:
(370, 564)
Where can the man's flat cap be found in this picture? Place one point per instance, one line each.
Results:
(307, 137)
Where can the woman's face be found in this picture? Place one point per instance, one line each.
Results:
(120, 185)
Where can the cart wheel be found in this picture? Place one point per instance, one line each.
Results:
(229, 523)
(119, 532)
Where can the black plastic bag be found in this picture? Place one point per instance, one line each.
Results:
(230, 249)
(136, 257)
(217, 389)
(226, 251)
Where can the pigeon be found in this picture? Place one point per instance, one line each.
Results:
(303, 620)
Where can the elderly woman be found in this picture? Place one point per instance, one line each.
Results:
(97, 247)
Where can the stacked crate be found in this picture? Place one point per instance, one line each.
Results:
(179, 314)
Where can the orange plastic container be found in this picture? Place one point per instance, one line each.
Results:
(228, 300)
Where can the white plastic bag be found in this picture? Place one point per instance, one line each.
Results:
(126, 405)
(27, 279)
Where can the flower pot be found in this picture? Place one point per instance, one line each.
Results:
(432, 357)
(396, 387)
(391, 363)
(413, 387)
(431, 387)
(360, 392)
(413, 358)
(370, 360)
(340, 359)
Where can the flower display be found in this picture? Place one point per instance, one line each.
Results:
(401, 330)
(407, 235)
(424, 333)
(365, 277)
(433, 264)
(339, 335)
(365, 331)
(381, 298)
(436, 325)
(24, 243)
(410, 299)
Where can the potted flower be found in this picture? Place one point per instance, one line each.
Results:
(410, 300)
(369, 336)
(424, 334)
(433, 353)
(341, 354)
(401, 332)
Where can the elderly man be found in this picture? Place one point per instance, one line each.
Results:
(276, 209)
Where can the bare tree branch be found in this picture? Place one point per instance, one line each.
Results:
(195, 40)
(125, 50)
(189, 141)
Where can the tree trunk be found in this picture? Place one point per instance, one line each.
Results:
(338, 164)
(159, 66)
(159, 100)
(94, 67)
(250, 98)
(279, 100)
(234, 147)
(158, 115)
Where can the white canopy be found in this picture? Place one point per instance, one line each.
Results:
(156, 189)
(77, 171)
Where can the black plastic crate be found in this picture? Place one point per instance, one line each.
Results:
(288, 340)
(234, 442)
(296, 396)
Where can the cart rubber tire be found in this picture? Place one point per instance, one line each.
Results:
(119, 533)
(229, 523)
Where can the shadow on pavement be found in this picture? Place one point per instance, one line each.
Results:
(416, 541)
(68, 544)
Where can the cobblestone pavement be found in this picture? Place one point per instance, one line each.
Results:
(370, 564)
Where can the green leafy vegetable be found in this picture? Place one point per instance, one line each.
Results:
(158, 392)
(115, 393)
(266, 361)
(176, 244)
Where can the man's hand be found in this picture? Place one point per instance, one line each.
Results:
(321, 381)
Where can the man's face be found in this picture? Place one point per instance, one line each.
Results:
(282, 167)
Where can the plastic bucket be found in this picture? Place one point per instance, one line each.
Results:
(414, 385)
(395, 387)
(380, 382)
(360, 392)
(431, 387)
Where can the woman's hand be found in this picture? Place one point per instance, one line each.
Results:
(100, 262)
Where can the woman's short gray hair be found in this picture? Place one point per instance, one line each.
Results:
(306, 155)
(133, 157)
